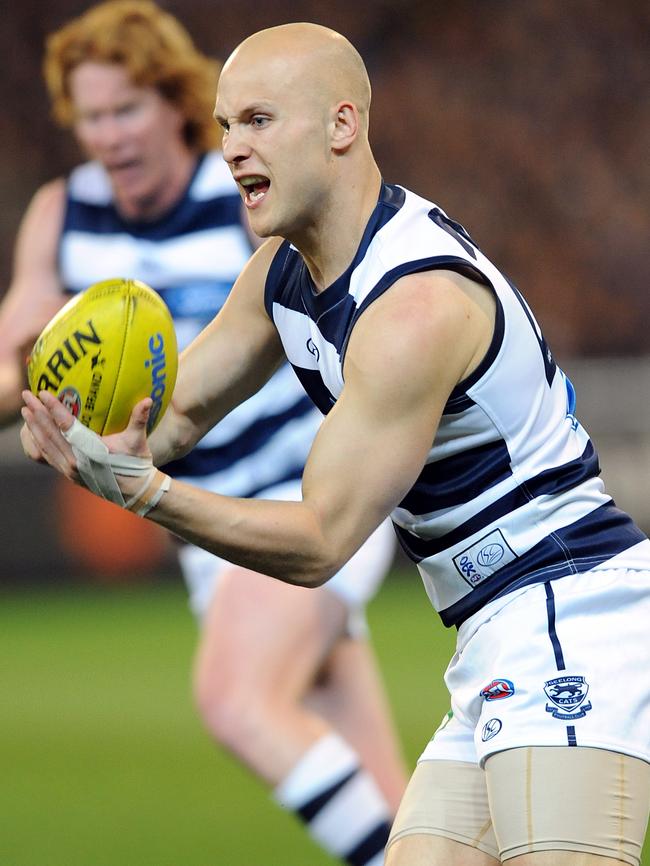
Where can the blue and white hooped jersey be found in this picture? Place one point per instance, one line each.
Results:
(509, 494)
(191, 257)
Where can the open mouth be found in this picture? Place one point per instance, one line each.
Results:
(255, 188)
(119, 168)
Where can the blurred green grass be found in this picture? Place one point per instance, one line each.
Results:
(102, 758)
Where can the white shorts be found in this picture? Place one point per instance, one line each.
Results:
(558, 664)
(356, 583)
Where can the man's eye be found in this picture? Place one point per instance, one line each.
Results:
(259, 120)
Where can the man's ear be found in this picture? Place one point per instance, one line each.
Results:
(346, 126)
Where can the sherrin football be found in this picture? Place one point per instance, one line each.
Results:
(105, 350)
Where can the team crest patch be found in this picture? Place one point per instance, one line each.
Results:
(567, 696)
(497, 690)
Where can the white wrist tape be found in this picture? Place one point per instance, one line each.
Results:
(150, 494)
(98, 467)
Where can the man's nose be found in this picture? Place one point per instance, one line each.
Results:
(110, 132)
(235, 147)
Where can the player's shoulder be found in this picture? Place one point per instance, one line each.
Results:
(254, 274)
(416, 228)
(427, 325)
(429, 303)
(264, 255)
(44, 213)
(49, 195)
(35, 255)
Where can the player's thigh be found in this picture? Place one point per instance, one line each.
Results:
(444, 815)
(427, 850)
(572, 804)
(263, 634)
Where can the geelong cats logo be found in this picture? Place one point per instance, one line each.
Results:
(567, 695)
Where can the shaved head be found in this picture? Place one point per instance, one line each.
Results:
(293, 102)
(312, 59)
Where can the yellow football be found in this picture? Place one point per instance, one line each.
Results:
(105, 350)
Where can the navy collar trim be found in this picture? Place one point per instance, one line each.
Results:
(391, 199)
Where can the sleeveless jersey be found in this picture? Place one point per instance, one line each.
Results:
(191, 257)
(509, 494)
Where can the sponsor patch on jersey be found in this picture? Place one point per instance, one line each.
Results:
(497, 690)
(487, 555)
(490, 729)
(567, 696)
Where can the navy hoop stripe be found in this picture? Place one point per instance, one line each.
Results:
(310, 809)
(451, 481)
(369, 847)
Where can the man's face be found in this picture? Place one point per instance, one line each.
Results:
(276, 144)
(133, 131)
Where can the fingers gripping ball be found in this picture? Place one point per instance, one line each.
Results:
(105, 350)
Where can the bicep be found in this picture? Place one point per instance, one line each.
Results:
(365, 458)
(402, 363)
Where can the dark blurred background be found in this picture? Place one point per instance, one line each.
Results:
(526, 120)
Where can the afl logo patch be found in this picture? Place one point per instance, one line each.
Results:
(71, 399)
(491, 729)
(497, 690)
(490, 555)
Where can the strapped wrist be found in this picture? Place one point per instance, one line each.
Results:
(150, 495)
(99, 470)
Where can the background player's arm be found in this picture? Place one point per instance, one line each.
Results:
(406, 354)
(229, 361)
(34, 295)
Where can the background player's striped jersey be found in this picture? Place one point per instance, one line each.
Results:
(191, 257)
(509, 494)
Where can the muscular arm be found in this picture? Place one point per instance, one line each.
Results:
(406, 354)
(34, 294)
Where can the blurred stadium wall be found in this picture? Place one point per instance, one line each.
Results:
(526, 121)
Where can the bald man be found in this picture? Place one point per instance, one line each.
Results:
(446, 410)
(284, 678)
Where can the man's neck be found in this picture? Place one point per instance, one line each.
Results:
(165, 196)
(329, 247)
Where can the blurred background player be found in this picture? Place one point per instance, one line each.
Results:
(284, 676)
